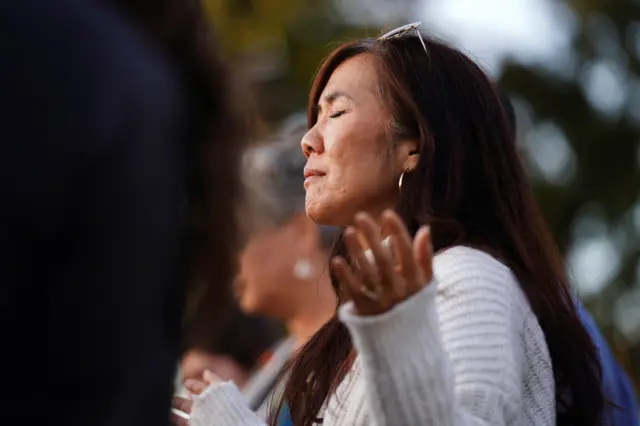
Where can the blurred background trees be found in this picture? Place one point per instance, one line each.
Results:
(573, 70)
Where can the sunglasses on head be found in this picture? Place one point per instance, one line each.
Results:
(400, 31)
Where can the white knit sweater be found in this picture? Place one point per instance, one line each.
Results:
(466, 350)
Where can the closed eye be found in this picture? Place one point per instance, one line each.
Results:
(337, 114)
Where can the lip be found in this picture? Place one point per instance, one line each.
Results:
(308, 172)
(310, 175)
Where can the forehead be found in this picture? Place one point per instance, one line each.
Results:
(356, 74)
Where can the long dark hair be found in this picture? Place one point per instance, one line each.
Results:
(471, 188)
(218, 129)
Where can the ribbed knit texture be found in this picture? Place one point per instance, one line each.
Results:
(466, 350)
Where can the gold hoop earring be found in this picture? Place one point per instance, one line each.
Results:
(400, 180)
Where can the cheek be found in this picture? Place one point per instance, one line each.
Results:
(350, 137)
(357, 151)
(359, 174)
(261, 276)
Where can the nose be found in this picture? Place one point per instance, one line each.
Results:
(312, 143)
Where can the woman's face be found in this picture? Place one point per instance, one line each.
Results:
(350, 166)
(267, 283)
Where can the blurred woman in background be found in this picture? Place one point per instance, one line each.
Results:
(283, 273)
(283, 268)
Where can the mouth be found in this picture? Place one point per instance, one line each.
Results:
(311, 175)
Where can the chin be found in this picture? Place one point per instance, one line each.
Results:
(319, 216)
(319, 210)
(324, 213)
(242, 299)
(246, 306)
(254, 305)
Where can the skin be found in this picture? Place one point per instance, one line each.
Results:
(349, 147)
(359, 168)
(267, 285)
(356, 186)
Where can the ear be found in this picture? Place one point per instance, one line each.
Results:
(408, 154)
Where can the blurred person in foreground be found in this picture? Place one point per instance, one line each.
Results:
(117, 132)
(456, 308)
(617, 386)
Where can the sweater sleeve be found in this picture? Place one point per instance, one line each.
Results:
(450, 354)
(222, 404)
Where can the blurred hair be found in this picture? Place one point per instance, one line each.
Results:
(470, 187)
(509, 111)
(274, 179)
(218, 129)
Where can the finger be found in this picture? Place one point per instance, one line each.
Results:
(177, 420)
(402, 245)
(366, 271)
(349, 283)
(182, 404)
(195, 386)
(211, 378)
(372, 233)
(345, 277)
(424, 255)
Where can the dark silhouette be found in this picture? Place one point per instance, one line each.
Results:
(116, 136)
(219, 109)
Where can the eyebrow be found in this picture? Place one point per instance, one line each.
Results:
(331, 97)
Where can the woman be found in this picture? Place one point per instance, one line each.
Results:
(406, 122)
(283, 268)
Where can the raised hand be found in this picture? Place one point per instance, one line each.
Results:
(396, 273)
